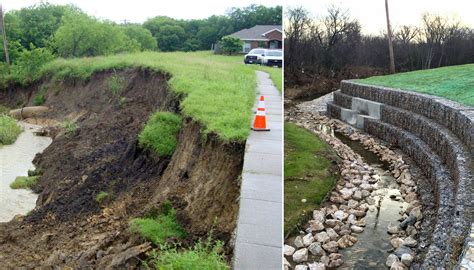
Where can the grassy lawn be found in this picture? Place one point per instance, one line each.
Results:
(455, 83)
(276, 74)
(9, 130)
(307, 174)
(219, 90)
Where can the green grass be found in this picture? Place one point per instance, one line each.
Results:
(4, 110)
(205, 256)
(158, 229)
(9, 130)
(307, 174)
(25, 182)
(160, 133)
(219, 90)
(455, 82)
(116, 84)
(101, 197)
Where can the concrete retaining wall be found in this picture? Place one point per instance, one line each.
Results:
(438, 135)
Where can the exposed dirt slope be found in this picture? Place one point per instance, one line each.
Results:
(68, 227)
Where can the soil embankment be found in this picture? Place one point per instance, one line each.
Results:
(95, 149)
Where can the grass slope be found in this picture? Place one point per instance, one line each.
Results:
(307, 174)
(220, 90)
(455, 82)
(161, 132)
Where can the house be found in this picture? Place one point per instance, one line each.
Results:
(260, 36)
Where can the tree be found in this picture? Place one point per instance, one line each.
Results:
(389, 37)
(82, 35)
(230, 44)
(142, 35)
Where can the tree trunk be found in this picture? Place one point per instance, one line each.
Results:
(5, 43)
(389, 36)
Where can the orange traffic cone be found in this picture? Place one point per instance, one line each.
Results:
(260, 122)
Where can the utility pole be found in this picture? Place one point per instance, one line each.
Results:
(389, 36)
(5, 43)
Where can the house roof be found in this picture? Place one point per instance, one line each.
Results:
(257, 32)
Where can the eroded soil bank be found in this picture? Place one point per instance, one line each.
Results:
(98, 151)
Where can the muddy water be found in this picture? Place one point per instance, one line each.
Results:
(371, 249)
(16, 160)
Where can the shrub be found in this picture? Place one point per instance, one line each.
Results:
(160, 133)
(230, 44)
(9, 130)
(40, 98)
(29, 63)
(158, 229)
(101, 197)
(201, 256)
(70, 128)
(4, 110)
(24, 182)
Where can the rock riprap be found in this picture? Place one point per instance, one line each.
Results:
(337, 224)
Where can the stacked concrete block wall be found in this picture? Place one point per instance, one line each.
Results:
(438, 135)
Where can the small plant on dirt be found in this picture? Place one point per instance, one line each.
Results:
(116, 84)
(159, 228)
(9, 130)
(35, 172)
(40, 97)
(204, 255)
(122, 101)
(160, 133)
(70, 128)
(25, 182)
(101, 197)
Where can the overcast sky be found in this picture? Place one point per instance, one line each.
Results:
(371, 13)
(140, 10)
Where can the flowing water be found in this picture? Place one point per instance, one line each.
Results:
(371, 249)
(16, 160)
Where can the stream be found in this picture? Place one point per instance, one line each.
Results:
(16, 160)
(371, 249)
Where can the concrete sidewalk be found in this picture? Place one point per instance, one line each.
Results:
(259, 236)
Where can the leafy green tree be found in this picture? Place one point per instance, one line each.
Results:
(36, 24)
(230, 44)
(252, 15)
(191, 45)
(171, 38)
(141, 35)
(82, 35)
(29, 62)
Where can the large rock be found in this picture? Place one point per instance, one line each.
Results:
(299, 242)
(357, 195)
(407, 259)
(288, 250)
(316, 249)
(332, 234)
(410, 242)
(396, 242)
(357, 229)
(322, 237)
(346, 241)
(300, 255)
(319, 215)
(301, 267)
(325, 260)
(392, 229)
(340, 215)
(316, 225)
(317, 266)
(331, 247)
(336, 263)
(397, 266)
(416, 213)
(308, 239)
(392, 258)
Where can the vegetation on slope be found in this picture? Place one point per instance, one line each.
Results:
(160, 133)
(307, 174)
(219, 90)
(24, 182)
(455, 82)
(9, 130)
